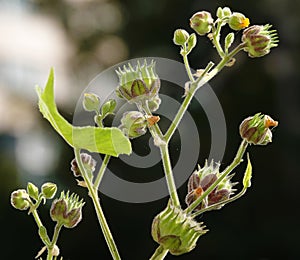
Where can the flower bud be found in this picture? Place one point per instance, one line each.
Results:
(258, 40)
(176, 231)
(180, 37)
(256, 129)
(138, 84)
(133, 124)
(201, 22)
(32, 191)
(238, 21)
(91, 102)
(154, 103)
(226, 11)
(202, 179)
(19, 199)
(48, 190)
(67, 210)
(88, 162)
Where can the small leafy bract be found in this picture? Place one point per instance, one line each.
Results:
(108, 140)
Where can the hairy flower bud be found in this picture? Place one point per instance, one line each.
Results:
(201, 22)
(133, 124)
(91, 102)
(256, 129)
(48, 190)
(238, 21)
(176, 231)
(67, 210)
(88, 162)
(154, 103)
(138, 84)
(202, 179)
(19, 199)
(259, 39)
(180, 37)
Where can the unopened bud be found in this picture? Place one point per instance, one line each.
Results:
(201, 22)
(133, 124)
(154, 103)
(19, 199)
(48, 190)
(88, 162)
(180, 37)
(256, 129)
(91, 102)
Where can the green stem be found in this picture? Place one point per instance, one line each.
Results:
(216, 205)
(159, 254)
(57, 229)
(37, 218)
(100, 215)
(164, 151)
(216, 39)
(184, 106)
(101, 171)
(237, 160)
(187, 67)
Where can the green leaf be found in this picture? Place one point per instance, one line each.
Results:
(109, 140)
(248, 174)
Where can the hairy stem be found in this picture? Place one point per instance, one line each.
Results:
(101, 171)
(216, 205)
(164, 151)
(100, 215)
(57, 229)
(159, 254)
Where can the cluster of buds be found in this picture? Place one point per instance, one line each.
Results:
(203, 23)
(139, 84)
(257, 39)
(67, 210)
(22, 199)
(176, 231)
(202, 179)
(256, 129)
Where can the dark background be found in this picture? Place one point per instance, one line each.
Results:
(264, 224)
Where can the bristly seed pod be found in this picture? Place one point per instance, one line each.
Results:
(259, 39)
(202, 179)
(67, 210)
(138, 84)
(176, 231)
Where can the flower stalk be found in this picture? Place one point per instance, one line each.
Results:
(100, 215)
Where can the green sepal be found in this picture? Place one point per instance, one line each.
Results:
(108, 108)
(33, 191)
(109, 140)
(43, 235)
(248, 174)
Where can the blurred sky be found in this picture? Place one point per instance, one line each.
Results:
(81, 38)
